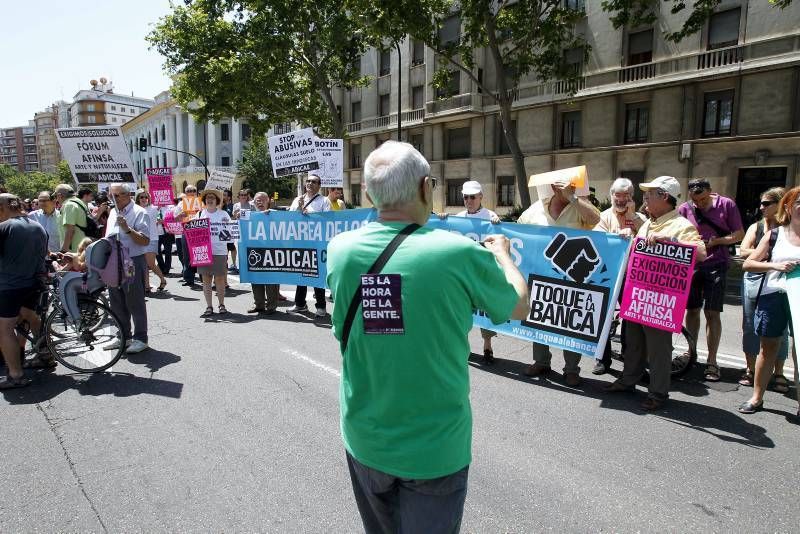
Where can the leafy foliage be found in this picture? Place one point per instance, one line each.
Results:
(270, 61)
(30, 184)
(255, 167)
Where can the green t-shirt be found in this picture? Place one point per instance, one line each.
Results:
(405, 397)
(72, 213)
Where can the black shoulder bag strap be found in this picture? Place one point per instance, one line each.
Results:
(773, 238)
(375, 269)
(702, 219)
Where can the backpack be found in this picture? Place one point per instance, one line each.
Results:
(111, 260)
(92, 229)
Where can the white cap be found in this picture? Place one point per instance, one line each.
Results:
(471, 188)
(667, 183)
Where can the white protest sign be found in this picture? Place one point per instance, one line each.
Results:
(96, 155)
(293, 153)
(220, 180)
(330, 154)
(576, 176)
(226, 231)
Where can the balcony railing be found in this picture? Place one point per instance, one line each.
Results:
(469, 102)
(413, 116)
(720, 58)
(637, 72)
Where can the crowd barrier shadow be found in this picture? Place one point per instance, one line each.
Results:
(703, 418)
(48, 385)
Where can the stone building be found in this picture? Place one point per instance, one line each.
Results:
(723, 104)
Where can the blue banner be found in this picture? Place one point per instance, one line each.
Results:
(573, 275)
(573, 278)
(287, 247)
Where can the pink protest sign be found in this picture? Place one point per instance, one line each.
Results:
(171, 225)
(657, 284)
(197, 234)
(160, 185)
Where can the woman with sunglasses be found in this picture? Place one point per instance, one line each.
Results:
(143, 200)
(751, 284)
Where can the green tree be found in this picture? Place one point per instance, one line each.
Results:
(272, 61)
(30, 184)
(645, 12)
(64, 173)
(524, 37)
(6, 172)
(255, 168)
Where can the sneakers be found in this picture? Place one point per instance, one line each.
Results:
(599, 368)
(233, 270)
(298, 309)
(255, 309)
(136, 346)
(320, 312)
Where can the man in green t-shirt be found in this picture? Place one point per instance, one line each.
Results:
(72, 218)
(406, 419)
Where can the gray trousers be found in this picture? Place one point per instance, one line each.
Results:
(651, 345)
(391, 505)
(542, 357)
(127, 302)
(265, 296)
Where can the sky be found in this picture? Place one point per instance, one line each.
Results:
(52, 48)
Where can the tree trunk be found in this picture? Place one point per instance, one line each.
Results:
(336, 120)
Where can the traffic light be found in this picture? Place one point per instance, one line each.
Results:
(142, 144)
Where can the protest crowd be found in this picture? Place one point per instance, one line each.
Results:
(401, 247)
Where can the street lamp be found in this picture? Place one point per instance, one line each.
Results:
(399, 91)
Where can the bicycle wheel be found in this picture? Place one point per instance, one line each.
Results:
(91, 344)
(684, 353)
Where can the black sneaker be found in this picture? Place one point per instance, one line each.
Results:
(488, 357)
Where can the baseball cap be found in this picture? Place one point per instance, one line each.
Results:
(698, 184)
(667, 183)
(471, 188)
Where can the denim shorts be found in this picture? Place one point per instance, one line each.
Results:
(772, 315)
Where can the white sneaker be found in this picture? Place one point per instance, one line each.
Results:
(320, 312)
(136, 346)
(296, 308)
(114, 345)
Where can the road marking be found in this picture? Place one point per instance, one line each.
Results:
(312, 361)
(731, 359)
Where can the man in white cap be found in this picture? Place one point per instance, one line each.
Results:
(565, 209)
(645, 344)
(473, 199)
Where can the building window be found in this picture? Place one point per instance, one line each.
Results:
(385, 62)
(640, 47)
(571, 129)
(357, 66)
(355, 194)
(502, 142)
(122, 109)
(458, 143)
(246, 132)
(506, 190)
(418, 97)
(150, 162)
(453, 86)
(163, 160)
(113, 119)
(163, 133)
(578, 5)
(383, 105)
(418, 142)
(226, 161)
(133, 110)
(450, 32)
(355, 155)
(417, 53)
(454, 196)
(723, 29)
(355, 112)
(89, 107)
(92, 119)
(636, 122)
(113, 108)
(224, 132)
(718, 114)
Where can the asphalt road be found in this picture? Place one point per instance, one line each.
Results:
(231, 424)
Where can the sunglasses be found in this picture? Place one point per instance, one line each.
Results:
(766, 203)
(470, 197)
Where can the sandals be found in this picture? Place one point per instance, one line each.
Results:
(711, 374)
(208, 313)
(751, 407)
(38, 362)
(223, 309)
(161, 286)
(747, 379)
(14, 383)
(780, 384)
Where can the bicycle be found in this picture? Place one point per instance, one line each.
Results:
(684, 347)
(78, 327)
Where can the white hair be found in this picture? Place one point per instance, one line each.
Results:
(392, 174)
(621, 185)
(124, 187)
